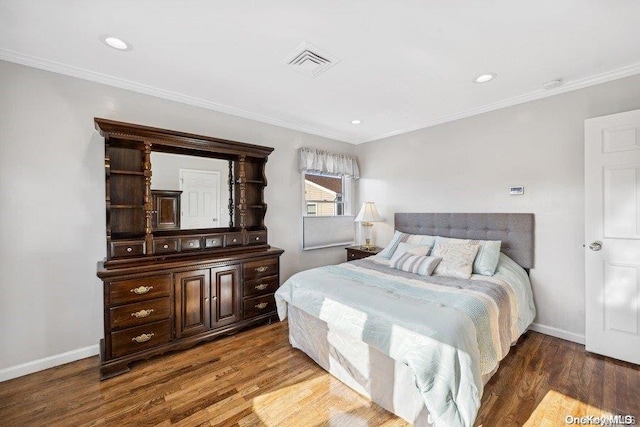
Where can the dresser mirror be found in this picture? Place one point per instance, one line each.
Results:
(191, 192)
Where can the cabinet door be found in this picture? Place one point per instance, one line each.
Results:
(192, 308)
(225, 295)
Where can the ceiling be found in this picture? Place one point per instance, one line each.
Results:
(399, 65)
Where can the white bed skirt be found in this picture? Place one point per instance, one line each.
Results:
(366, 370)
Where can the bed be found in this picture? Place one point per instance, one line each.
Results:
(421, 346)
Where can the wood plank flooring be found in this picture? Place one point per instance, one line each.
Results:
(256, 379)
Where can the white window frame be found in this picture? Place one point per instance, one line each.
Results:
(315, 234)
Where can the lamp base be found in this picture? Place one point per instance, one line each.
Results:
(366, 234)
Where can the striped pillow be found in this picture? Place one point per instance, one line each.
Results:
(418, 264)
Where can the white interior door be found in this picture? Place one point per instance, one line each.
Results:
(200, 200)
(612, 231)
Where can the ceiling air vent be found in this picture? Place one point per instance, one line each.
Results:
(309, 60)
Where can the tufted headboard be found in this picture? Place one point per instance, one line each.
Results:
(516, 230)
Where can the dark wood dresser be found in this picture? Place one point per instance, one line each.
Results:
(167, 286)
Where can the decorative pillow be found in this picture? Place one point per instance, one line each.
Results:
(487, 257)
(400, 237)
(414, 248)
(457, 257)
(418, 264)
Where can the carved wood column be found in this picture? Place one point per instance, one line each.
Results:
(148, 202)
(242, 187)
(231, 186)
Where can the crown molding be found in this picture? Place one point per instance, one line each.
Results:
(81, 73)
(93, 76)
(568, 86)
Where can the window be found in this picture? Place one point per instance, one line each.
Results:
(324, 195)
(327, 181)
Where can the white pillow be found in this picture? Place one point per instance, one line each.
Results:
(414, 248)
(487, 257)
(400, 237)
(457, 257)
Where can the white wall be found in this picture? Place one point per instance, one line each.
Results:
(52, 218)
(468, 166)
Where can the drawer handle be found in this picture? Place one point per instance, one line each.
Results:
(261, 305)
(165, 246)
(142, 338)
(129, 249)
(141, 290)
(262, 269)
(262, 286)
(142, 313)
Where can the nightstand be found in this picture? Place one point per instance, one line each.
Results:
(358, 252)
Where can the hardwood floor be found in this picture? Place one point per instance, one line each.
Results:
(256, 379)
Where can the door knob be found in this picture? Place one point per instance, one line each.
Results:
(595, 246)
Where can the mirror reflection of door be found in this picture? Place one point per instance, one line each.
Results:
(200, 201)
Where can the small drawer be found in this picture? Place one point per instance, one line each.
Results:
(260, 268)
(214, 241)
(190, 243)
(261, 286)
(257, 237)
(140, 338)
(260, 305)
(233, 239)
(127, 248)
(146, 288)
(162, 246)
(140, 313)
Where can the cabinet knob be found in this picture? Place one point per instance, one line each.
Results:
(143, 338)
(191, 244)
(258, 238)
(165, 246)
(142, 313)
(129, 249)
(141, 290)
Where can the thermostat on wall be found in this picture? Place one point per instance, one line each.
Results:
(518, 191)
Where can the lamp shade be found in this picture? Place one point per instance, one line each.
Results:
(368, 213)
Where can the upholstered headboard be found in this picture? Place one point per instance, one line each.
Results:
(516, 230)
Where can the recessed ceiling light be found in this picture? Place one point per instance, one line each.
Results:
(356, 122)
(483, 78)
(115, 42)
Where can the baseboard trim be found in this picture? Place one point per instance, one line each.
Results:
(558, 333)
(47, 362)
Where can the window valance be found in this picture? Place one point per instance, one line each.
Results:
(319, 161)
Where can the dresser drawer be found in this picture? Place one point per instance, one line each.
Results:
(140, 313)
(140, 338)
(190, 243)
(260, 268)
(214, 241)
(146, 288)
(233, 239)
(253, 307)
(257, 237)
(126, 248)
(162, 246)
(261, 286)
